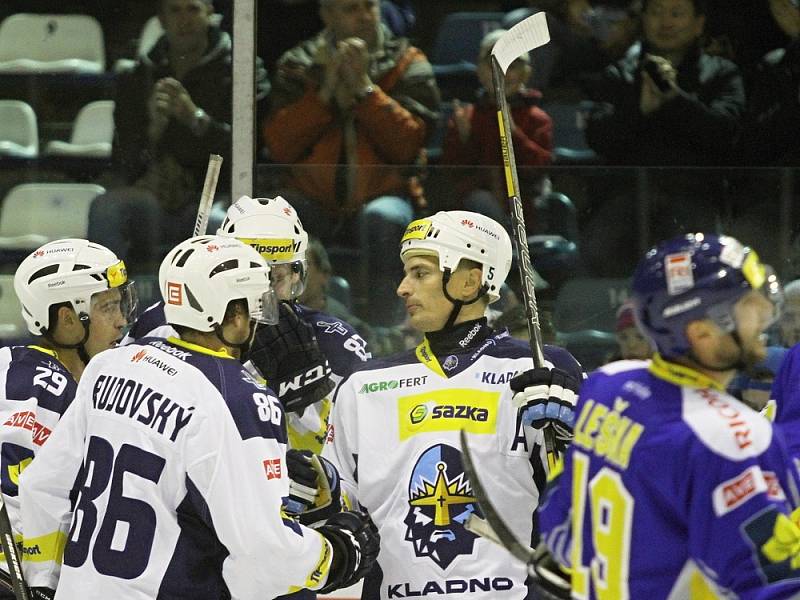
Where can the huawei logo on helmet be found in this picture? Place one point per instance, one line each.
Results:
(138, 356)
(468, 223)
(287, 212)
(38, 253)
(212, 247)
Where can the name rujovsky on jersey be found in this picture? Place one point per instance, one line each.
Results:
(402, 416)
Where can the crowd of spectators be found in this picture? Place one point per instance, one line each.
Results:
(349, 104)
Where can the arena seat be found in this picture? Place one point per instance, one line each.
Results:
(92, 133)
(35, 213)
(19, 133)
(47, 43)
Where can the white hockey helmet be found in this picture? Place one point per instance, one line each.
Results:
(455, 234)
(69, 270)
(272, 227)
(200, 276)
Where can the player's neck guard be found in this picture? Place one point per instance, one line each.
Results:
(458, 337)
(682, 375)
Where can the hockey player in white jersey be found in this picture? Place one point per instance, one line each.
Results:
(177, 457)
(76, 300)
(396, 422)
(308, 352)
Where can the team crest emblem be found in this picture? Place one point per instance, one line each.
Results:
(439, 501)
(450, 363)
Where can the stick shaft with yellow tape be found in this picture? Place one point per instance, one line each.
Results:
(523, 37)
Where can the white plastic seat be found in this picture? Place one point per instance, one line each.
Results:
(33, 214)
(31, 43)
(19, 134)
(92, 133)
(12, 325)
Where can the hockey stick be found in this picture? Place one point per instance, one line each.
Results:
(207, 196)
(492, 526)
(523, 37)
(17, 580)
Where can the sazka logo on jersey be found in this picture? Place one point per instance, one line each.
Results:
(440, 500)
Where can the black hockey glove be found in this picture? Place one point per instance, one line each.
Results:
(289, 358)
(314, 490)
(355, 542)
(42, 593)
(547, 398)
(548, 580)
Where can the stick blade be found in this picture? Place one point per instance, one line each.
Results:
(502, 534)
(521, 38)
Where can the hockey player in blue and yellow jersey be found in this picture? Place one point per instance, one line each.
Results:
(396, 422)
(76, 300)
(178, 458)
(671, 487)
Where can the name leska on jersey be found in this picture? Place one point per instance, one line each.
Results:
(382, 386)
(143, 404)
(608, 433)
(450, 586)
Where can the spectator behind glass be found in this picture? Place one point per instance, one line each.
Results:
(473, 137)
(667, 102)
(789, 319)
(344, 103)
(172, 110)
(633, 345)
(773, 91)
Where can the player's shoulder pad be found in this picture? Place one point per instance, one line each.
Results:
(724, 425)
(253, 407)
(151, 319)
(31, 373)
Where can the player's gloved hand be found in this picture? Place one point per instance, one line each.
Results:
(549, 580)
(356, 543)
(288, 356)
(547, 398)
(314, 490)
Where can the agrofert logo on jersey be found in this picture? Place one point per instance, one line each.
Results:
(439, 501)
(392, 384)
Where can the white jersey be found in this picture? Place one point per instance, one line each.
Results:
(36, 390)
(395, 441)
(344, 348)
(180, 493)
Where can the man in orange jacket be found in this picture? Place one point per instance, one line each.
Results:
(349, 108)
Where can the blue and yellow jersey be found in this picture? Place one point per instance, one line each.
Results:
(395, 441)
(672, 489)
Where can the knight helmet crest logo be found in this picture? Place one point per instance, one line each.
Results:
(439, 501)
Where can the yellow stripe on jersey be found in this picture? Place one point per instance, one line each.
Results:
(319, 576)
(196, 348)
(44, 548)
(426, 357)
(52, 353)
(680, 375)
(14, 471)
(447, 410)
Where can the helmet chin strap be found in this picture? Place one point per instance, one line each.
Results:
(80, 346)
(244, 347)
(457, 304)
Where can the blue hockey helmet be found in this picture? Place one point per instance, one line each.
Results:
(694, 277)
